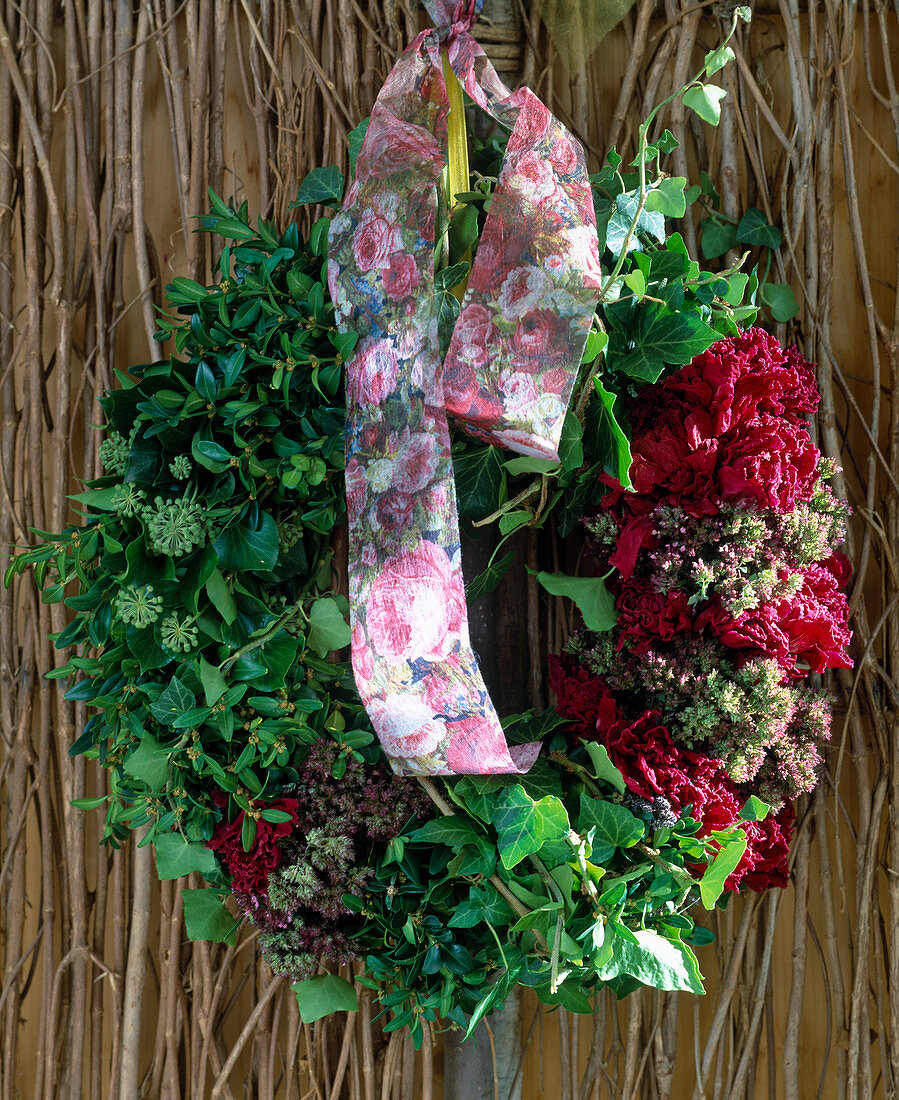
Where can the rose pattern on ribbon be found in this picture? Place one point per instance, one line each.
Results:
(507, 379)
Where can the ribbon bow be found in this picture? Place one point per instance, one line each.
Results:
(507, 378)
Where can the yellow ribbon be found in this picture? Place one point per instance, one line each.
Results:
(457, 173)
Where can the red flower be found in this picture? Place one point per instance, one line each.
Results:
(676, 464)
(736, 380)
(580, 696)
(637, 532)
(646, 616)
(770, 462)
(651, 763)
(249, 871)
(809, 628)
(766, 861)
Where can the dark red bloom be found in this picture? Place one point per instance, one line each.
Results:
(646, 615)
(249, 871)
(651, 763)
(770, 462)
(807, 631)
(735, 381)
(675, 464)
(636, 533)
(580, 696)
(766, 861)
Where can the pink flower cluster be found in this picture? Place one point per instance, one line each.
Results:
(724, 550)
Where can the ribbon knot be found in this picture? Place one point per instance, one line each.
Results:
(507, 378)
(452, 19)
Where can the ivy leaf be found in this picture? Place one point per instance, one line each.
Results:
(149, 762)
(321, 185)
(176, 856)
(220, 596)
(717, 237)
(715, 60)
(596, 342)
(610, 445)
(711, 885)
(527, 464)
(481, 905)
(250, 544)
(489, 579)
(206, 917)
(214, 683)
(173, 701)
(571, 449)
(479, 481)
(603, 767)
(613, 826)
(780, 300)
(354, 139)
(754, 809)
(328, 630)
(448, 304)
(706, 102)
(318, 997)
(667, 197)
(523, 826)
(664, 338)
(654, 961)
(453, 831)
(754, 229)
(650, 222)
(594, 601)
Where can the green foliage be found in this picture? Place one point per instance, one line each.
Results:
(207, 917)
(318, 997)
(548, 881)
(200, 579)
(594, 601)
(205, 623)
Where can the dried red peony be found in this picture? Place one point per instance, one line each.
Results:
(249, 871)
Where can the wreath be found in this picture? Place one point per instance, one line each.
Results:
(210, 623)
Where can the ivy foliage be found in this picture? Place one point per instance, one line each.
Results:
(551, 881)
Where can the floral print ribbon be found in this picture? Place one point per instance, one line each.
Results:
(507, 378)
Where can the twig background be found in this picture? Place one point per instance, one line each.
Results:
(115, 116)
